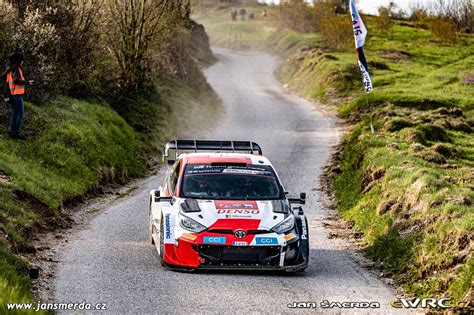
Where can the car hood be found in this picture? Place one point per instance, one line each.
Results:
(238, 214)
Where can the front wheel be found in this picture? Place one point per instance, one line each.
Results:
(152, 231)
(297, 270)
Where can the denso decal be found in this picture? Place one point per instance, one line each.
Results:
(214, 240)
(266, 240)
(238, 211)
(167, 226)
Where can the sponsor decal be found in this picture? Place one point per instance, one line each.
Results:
(289, 236)
(229, 204)
(266, 240)
(243, 171)
(304, 232)
(240, 244)
(214, 240)
(167, 226)
(238, 211)
(237, 206)
(189, 236)
(230, 216)
(263, 170)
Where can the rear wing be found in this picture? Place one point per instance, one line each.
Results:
(210, 146)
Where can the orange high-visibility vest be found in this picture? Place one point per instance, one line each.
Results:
(15, 89)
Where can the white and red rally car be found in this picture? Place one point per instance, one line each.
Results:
(229, 210)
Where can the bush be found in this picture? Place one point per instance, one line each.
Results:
(7, 14)
(383, 21)
(298, 16)
(60, 42)
(96, 48)
(337, 32)
(443, 29)
(458, 14)
(38, 39)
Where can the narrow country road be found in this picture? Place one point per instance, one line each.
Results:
(112, 260)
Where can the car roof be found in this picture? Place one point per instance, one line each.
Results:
(208, 158)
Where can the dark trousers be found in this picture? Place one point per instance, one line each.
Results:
(18, 113)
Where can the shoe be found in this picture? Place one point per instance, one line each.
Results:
(20, 137)
(13, 136)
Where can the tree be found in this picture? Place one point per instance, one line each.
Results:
(134, 26)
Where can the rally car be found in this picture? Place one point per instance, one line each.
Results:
(222, 206)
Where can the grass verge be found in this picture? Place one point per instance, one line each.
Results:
(409, 186)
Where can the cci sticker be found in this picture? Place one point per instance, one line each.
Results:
(266, 240)
(214, 240)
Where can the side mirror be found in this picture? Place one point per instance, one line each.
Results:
(159, 198)
(303, 198)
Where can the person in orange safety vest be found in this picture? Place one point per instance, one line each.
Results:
(14, 91)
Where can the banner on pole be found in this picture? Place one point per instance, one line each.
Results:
(360, 33)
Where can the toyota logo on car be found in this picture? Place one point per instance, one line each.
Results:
(240, 233)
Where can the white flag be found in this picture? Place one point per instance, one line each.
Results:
(360, 32)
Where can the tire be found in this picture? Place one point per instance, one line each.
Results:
(297, 270)
(152, 229)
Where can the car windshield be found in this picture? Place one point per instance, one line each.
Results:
(230, 182)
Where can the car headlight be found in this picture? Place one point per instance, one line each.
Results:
(285, 225)
(190, 225)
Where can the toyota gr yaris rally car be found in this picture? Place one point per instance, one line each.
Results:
(223, 207)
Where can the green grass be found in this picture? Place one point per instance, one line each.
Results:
(408, 187)
(74, 147)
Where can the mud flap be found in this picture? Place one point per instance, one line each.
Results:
(302, 229)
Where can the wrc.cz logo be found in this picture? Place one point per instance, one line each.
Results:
(442, 303)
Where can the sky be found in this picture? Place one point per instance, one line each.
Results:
(371, 6)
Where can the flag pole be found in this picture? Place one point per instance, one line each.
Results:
(372, 129)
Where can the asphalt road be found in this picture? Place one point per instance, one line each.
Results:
(111, 260)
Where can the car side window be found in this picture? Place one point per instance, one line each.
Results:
(174, 178)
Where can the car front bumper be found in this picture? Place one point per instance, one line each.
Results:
(192, 254)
